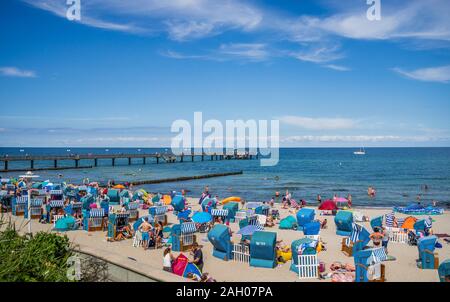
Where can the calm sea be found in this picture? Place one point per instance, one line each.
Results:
(398, 174)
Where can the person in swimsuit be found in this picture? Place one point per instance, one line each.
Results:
(145, 228)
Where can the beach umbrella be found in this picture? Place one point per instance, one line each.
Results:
(201, 217)
(249, 230)
(328, 205)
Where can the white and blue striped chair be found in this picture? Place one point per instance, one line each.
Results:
(19, 205)
(95, 220)
(188, 237)
(219, 213)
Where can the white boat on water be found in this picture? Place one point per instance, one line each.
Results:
(361, 151)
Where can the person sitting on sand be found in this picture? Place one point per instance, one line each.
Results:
(376, 237)
(193, 277)
(270, 221)
(168, 259)
(281, 246)
(124, 233)
(206, 278)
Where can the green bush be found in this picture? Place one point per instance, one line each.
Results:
(28, 258)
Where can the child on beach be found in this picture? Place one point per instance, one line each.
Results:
(385, 240)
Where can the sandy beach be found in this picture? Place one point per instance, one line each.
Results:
(150, 262)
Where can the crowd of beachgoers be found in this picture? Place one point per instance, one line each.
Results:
(154, 232)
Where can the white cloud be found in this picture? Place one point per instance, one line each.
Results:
(16, 72)
(252, 51)
(322, 123)
(433, 74)
(319, 54)
(337, 67)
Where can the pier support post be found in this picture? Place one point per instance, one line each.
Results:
(157, 159)
(113, 162)
(192, 158)
(212, 157)
(6, 165)
(182, 157)
(144, 160)
(203, 157)
(55, 164)
(96, 162)
(77, 163)
(32, 164)
(129, 161)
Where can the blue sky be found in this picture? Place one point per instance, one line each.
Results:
(122, 74)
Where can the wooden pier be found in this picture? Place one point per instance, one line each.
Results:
(94, 158)
(185, 178)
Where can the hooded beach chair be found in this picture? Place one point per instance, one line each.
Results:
(55, 206)
(215, 213)
(444, 270)
(428, 259)
(133, 209)
(304, 216)
(240, 215)
(263, 249)
(262, 210)
(183, 237)
(178, 203)
(304, 258)
(19, 205)
(93, 220)
(358, 239)
(344, 223)
(220, 238)
(117, 221)
(368, 265)
(232, 208)
(159, 214)
(36, 209)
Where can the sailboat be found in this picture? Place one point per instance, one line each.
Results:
(361, 151)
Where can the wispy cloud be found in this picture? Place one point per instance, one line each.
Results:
(361, 138)
(16, 72)
(321, 123)
(251, 51)
(337, 67)
(319, 54)
(433, 74)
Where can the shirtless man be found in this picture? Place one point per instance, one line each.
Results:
(145, 228)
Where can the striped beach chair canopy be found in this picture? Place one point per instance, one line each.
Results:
(133, 205)
(219, 212)
(253, 220)
(96, 213)
(56, 203)
(82, 188)
(188, 228)
(253, 205)
(428, 223)
(37, 202)
(389, 219)
(123, 215)
(21, 199)
(378, 255)
(56, 192)
(160, 210)
(354, 236)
